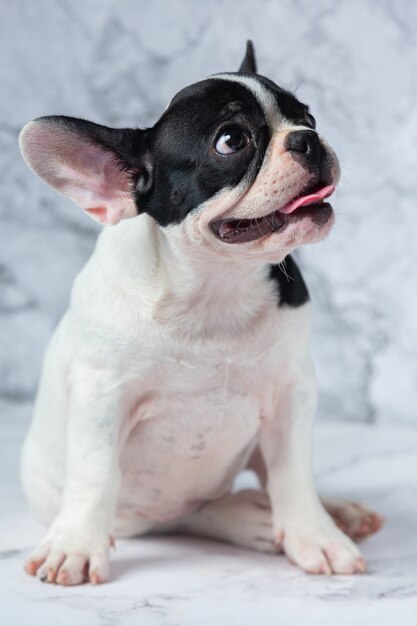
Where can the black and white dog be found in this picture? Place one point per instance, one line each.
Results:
(184, 355)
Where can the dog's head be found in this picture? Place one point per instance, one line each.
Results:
(234, 165)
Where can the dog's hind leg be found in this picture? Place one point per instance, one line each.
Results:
(243, 519)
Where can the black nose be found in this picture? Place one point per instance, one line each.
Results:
(305, 142)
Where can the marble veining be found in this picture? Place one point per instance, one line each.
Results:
(120, 62)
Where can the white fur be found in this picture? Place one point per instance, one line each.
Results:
(159, 382)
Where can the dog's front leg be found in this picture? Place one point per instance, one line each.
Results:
(307, 533)
(76, 546)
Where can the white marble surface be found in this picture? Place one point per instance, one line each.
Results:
(120, 61)
(188, 582)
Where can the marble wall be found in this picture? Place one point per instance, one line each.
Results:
(120, 61)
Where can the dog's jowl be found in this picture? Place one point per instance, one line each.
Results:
(184, 355)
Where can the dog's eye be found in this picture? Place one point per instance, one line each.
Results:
(310, 119)
(231, 140)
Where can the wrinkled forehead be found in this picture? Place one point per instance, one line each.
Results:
(279, 107)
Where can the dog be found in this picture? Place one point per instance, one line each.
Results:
(184, 355)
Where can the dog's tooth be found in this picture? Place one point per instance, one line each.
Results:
(225, 229)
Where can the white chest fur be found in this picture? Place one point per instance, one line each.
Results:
(200, 360)
(194, 428)
(197, 356)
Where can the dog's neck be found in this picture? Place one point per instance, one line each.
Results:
(191, 291)
(209, 294)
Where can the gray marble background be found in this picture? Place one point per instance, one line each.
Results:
(120, 61)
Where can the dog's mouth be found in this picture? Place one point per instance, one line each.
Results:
(310, 205)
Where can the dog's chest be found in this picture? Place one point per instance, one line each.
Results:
(214, 389)
(196, 423)
(209, 378)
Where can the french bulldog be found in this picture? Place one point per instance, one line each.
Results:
(184, 355)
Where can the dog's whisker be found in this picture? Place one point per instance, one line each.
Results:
(283, 268)
(257, 225)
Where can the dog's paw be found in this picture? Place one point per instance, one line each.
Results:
(356, 520)
(65, 560)
(243, 518)
(319, 547)
(250, 519)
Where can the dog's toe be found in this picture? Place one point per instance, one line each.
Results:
(62, 563)
(356, 520)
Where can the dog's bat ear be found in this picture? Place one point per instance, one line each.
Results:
(248, 65)
(98, 167)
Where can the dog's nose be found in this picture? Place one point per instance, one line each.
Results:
(305, 142)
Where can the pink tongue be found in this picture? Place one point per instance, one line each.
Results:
(309, 199)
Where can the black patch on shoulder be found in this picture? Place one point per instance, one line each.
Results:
(292, 290)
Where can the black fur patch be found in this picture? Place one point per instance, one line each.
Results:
(249, 65)
(291, 288)
(187, 171)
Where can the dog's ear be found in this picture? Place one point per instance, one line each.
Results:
(96, 166)
(248, 65)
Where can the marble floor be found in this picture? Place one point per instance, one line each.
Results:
(188, 582)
